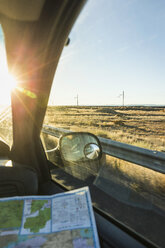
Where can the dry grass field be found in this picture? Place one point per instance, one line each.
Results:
(140, 126)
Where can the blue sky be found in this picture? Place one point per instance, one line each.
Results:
(115, 45)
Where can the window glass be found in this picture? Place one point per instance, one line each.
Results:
(110, 82)
(7, 84)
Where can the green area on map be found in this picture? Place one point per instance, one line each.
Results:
(38, 222)
(11, 214)
(37, 205)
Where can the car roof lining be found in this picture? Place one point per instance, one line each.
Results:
(22, 10)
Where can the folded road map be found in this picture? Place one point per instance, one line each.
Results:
(61, 220)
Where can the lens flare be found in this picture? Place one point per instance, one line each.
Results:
(10, 82)
(7, 81)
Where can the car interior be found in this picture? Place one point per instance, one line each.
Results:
(35, 34)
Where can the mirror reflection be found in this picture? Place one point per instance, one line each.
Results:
(76, 147)
(92, 151)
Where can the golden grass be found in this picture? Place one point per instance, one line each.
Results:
(140, 126)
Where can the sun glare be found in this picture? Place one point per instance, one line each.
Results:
(7, 81)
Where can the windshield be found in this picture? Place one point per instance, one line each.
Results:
(8, 83)
(110, 82)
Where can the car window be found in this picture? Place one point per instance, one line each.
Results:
(110, 82)
(8, 84)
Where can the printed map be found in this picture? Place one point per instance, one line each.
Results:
(62, 220)
(37, 216)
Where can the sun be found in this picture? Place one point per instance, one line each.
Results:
(10, 83)
(7, 84)
(7, 81)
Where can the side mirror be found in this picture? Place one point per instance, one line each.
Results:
(80, 147)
